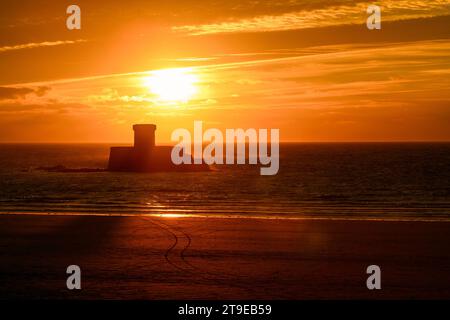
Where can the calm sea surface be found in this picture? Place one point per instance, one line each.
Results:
(315, 180)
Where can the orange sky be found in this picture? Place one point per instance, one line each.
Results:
(309, 68)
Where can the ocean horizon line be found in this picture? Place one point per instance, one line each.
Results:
(281, 142)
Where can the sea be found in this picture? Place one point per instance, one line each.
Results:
(409, 181)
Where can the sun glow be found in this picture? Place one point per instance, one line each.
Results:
(172, 85)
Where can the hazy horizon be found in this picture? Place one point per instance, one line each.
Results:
(125, 143)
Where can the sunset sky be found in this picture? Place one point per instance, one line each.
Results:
(310, 68)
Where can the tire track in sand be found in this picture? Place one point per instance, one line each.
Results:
(175, 256)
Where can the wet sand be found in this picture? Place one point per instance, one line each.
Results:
(217, 258)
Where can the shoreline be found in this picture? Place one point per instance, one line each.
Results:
(223, 216)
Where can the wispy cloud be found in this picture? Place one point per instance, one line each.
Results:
(323, 17)
(21, 92)
(33, 45)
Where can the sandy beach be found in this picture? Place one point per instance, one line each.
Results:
(220, 258)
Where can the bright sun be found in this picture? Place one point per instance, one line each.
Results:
(172, 85)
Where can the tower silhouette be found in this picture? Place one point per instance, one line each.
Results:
(145, 156)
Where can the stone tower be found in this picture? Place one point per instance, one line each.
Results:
(144, 137)
(144, 156)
